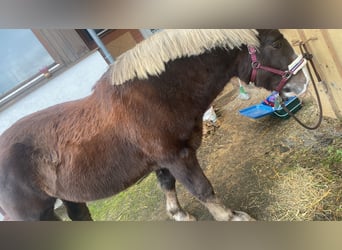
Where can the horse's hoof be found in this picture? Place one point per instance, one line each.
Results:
(183, 216)
(241, 216)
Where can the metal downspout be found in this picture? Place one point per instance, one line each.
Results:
(108, 57)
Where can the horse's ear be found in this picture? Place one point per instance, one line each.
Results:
(265, 31)
(268, 34)
(262, 31)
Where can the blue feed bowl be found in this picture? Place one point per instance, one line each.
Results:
(261, 110)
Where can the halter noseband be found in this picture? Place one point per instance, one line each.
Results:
(293, 67)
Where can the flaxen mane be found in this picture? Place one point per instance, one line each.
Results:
(148, 58)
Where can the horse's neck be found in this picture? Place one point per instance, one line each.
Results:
(207, 76)
(188, 85)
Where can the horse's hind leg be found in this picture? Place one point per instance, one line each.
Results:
(30, 208)
(77, 211)
(167, 183)
(187, 171)
(20, 196)
(49, 215)
(19, 201)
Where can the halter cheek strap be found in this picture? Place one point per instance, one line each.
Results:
(293, 67)
(255, 63)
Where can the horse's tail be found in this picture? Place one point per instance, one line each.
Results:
(3, 214)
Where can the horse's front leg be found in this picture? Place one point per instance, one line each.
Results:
(168, 185)
(187, 171)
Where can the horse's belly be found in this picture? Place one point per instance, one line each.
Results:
(96, 168)
(98, 184)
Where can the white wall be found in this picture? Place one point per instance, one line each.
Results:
(74, 83)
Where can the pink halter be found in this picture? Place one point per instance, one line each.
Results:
(293, 67)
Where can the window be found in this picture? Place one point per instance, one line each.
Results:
(27, 57)
(23, 58)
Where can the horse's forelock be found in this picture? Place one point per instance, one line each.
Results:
(149, 57)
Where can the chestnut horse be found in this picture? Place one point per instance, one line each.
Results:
(144, 115)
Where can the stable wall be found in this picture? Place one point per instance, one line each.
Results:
(327, 52)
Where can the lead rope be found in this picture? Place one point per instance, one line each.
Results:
(308, 57)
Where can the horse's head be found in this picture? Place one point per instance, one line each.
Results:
(275, 66)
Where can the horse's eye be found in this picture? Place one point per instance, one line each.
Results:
(277, 44)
